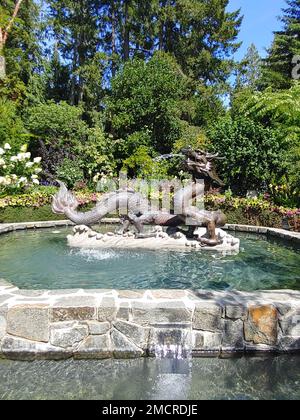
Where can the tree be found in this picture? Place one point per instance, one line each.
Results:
(75, 24)
(280, 62)
(280, 111)
(253, 157)
(147, 98)
(249, 71)
(7, 21)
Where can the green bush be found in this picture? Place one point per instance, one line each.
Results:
(253, 157)
(70, 172)
(12, 129)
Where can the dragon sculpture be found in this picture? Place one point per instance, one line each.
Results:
(134, 207)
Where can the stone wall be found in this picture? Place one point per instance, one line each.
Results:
(128, 324)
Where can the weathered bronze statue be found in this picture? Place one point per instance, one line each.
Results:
(138, 213)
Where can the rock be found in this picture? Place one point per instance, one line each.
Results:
(261, 326)
(233, 337)
(206, 341)
(235, 311)
(67, 335)
(131, 294)
(208, 317)
(290, 324)
(107, 311)
(74, 308)
(5, 298)
(98, 328)
(20, 349)
(168, 294)
(135, 333)
(155, 313)
(124, 311)
(288, 343)
(123, 348)
(94, 347)
(2, 327)
(30, 322)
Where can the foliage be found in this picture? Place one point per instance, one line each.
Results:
(280, 110)
(249, 70)
(22, 50)
(70, 172)
(147, 97)
(12, 129)
(17, 171)
(279, 64)
(252, 154)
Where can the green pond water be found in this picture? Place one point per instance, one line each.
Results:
(42, 260)
(267, 378)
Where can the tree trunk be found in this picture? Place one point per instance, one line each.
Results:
(126, 52)
(113, 40)
(2, 67)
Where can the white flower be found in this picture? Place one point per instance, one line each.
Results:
(2, 162)
(29, 165)
(27, 155)
(38, 170)
(24, 148)
(2, 151)
(37, 160)
(34, 177)
(14, 177)
(23, 180)
(36, 181)
(7, 146)
(2, 180)
(14, 159)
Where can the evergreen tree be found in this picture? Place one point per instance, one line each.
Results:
(249, 71)
(280, 62)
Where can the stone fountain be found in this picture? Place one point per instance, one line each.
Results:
(169, 228)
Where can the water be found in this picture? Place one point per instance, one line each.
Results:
(151, 379)
(42, 260)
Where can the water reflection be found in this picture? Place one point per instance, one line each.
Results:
(167, 379)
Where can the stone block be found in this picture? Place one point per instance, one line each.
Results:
(261, 326)
(287, 343)
(168, 294)
(107, 311)
(95, 347)
(2, 327)
(233, 335)
(290, 324)
(205, 341)
(20, 349)
(131, 294)
(74, 308)
(155, 313)
(124, 348)
(235, 311)
(208, 317)
(135, 333)
(98, 328)
(67, 335)
(124, 311)
(30, 322)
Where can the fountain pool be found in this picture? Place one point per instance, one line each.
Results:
(41, 259)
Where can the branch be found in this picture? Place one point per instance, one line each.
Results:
(12, 20)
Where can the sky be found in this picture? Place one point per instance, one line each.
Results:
(260, 21)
